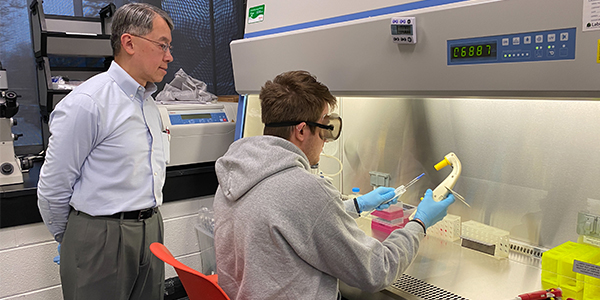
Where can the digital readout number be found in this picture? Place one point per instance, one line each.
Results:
(474, 51)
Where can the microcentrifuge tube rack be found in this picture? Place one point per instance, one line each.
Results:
(447, 229)
(486, 234)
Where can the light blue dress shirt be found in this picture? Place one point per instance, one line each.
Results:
(107, 152)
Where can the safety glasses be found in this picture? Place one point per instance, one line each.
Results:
(331, 129)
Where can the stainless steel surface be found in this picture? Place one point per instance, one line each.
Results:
(529, 165)
(472, 274)
(460, 271)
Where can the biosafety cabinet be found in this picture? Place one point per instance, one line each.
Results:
(510, 86)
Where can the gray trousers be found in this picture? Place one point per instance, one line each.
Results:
(104, 258)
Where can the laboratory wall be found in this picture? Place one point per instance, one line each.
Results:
(26, 252)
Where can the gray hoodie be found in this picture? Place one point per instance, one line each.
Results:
(284, 233)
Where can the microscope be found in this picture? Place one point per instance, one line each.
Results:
(10, 164)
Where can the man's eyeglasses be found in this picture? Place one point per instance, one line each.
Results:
(333, 126)
(164, 47)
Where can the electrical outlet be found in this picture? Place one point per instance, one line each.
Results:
(588, 224)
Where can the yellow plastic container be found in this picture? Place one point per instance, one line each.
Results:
(591, 287)
(550, 261)
(566, 276)
(557, 270)
(572, 293)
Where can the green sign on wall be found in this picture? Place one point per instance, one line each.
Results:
(256, 14)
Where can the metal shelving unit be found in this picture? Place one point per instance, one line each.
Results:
(80, 44)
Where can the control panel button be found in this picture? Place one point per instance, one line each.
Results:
(516, 40)
(527, 40)
(563, 52)
(539, 38)
(505, 42)
(551, 37)
(564, 36)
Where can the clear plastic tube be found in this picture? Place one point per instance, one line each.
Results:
(402, 189)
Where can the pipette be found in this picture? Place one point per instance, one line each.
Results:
(458, 196)
(402, 189)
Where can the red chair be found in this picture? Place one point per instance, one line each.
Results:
(197, 285)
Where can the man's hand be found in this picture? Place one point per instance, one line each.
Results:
(374, 199)
(57, 258)
(430, 212)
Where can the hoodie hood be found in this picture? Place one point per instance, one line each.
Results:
(250, 160)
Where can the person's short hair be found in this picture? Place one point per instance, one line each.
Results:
(134, 18)
(293, 96)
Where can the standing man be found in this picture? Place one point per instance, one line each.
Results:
(101, 183)
(284, 233)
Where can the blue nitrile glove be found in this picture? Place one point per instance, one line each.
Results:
(373, 199)
(430, 212)
(57, 258)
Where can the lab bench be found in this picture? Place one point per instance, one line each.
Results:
(18, 202)
(446, 270)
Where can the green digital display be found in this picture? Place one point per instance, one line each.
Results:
(473, 52)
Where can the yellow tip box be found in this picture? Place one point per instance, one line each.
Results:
(557, 270)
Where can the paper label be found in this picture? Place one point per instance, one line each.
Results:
(591, 15)
(257, 14)
(586, 269)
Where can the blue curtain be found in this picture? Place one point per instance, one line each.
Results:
(203, 31)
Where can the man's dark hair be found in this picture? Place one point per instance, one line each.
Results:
(293, 96)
